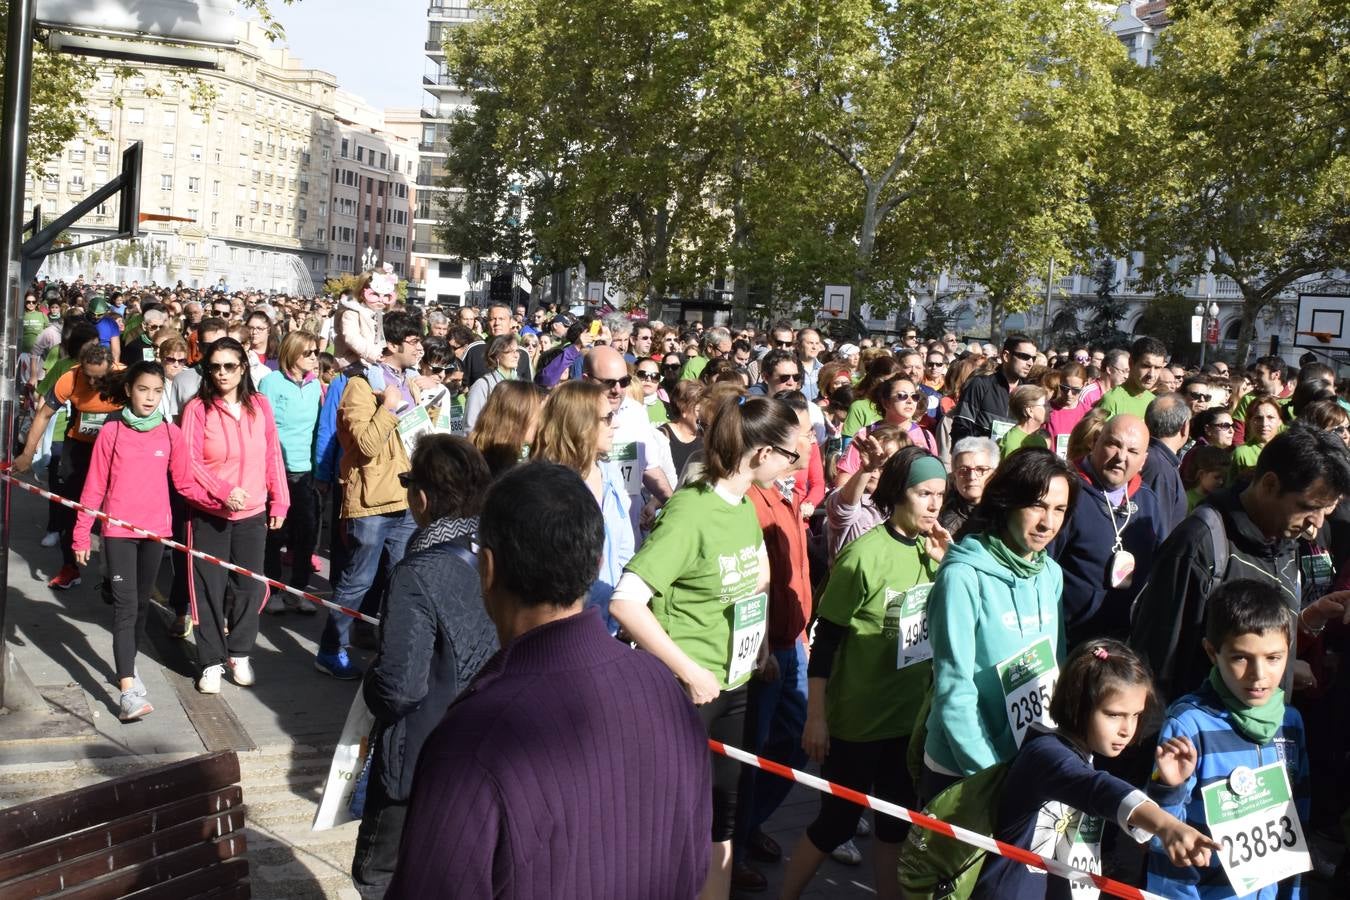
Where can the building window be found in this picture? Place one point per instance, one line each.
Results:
(137, 83)
(343, 151)
(215, 189)
(215, 220)
(51, 181)
(166, 182)
(195, 154)
(238, 223)
(101, 152)
(450, 268)
(360, 153)
(166, 150)
(135, 115)
(384, 161)
(77, 153)
(194, 185)
(170, 118)
(194, 214)
(77, 184)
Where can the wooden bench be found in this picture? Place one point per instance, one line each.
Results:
(172, 832)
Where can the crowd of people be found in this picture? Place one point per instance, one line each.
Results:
(1095, 588)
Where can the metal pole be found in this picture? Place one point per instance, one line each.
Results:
(13, 161)
(1045, 318)
(1204, 329)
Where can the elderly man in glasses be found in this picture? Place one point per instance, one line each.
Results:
(982, 410)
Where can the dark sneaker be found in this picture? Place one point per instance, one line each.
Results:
(339, 665)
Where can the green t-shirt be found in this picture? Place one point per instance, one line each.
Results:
(1016, 438)
(656, 413)
(1118, 400)
(693, 367)
(1244, 460)
(54, 371)
(702, 557)
(869, 697)
(33, 324)
(861, 413)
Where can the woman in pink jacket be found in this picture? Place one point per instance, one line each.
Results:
(129, 480)
(235, 482)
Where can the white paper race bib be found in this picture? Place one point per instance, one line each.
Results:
(412, 425)
(912, 646)
(749, 623)
(1252, 815)
(91, 423)
(1082, 849)
(625, 456)
(1062, 446)
(1028, 678)
(998, 428)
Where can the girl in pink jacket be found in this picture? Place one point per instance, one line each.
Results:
(235, 481)
(129, 480)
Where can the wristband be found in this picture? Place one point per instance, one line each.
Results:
(1308, 628)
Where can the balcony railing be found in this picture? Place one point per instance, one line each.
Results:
(1226, 287)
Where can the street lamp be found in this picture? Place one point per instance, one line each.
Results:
(368, 260)
(1207, 310)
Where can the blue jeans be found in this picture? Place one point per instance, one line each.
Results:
(367, 538)
(775, 717)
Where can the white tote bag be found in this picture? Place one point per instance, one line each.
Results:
(348, 760)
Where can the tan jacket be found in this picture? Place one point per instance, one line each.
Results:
(372, 454)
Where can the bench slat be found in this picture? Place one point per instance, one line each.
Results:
(70, 847)
(175, 875)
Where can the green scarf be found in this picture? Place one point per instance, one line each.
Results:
(1255, 723)
(142, 424)
(1019, 565)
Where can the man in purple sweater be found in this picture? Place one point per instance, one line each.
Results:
(573, 766)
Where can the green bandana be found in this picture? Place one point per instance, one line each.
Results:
(925, 468)
(142, 424)
(1255, 723)
(1020, 566)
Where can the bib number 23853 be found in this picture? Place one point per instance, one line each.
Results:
(1028, 679)
(749, 621)
(1252, 815)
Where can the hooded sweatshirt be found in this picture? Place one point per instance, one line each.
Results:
(128, 480)
(224, 453)
(980, 614)
(359, 335)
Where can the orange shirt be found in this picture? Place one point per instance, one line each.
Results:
(88, 410)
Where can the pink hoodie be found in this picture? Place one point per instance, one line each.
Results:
(129, 479)
(222, 453)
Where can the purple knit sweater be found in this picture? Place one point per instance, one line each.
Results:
(573, 766)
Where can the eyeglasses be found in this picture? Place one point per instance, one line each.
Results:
(1082, 360)
(783, 345)
(902, 397)
(414, 340)
(671, 367)
(843, 382)
(228, 368)
(610, 384)
(30, 303)
(1222, 426)
(257, 329)
(607, 418)
(1199, 398)
(968, 471)
(441, 370)
(1024, 357)
(792, 456)
(935, 364)
(784, 379)
(648, 375)
(313, 351)
(1070, 389)
(174, 360)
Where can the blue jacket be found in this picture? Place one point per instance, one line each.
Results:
(1202, 717)
(980, 614)
(1051, 782)
(1162, 475)
(327, 451)
(1092, 608)
(296, 409)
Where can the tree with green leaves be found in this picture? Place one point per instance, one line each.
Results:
(1241, 168)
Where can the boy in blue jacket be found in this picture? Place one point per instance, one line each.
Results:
(1249, 789)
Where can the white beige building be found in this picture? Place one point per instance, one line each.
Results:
(249, 172)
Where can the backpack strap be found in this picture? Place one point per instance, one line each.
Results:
(1218, 542)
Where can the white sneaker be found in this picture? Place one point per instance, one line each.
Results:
(209, 682)
(241, 671)
(51, 539)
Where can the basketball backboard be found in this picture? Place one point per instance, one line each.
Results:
(1323, 322)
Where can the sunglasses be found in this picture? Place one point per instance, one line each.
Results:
(935, 364)
(174, 360)
(792, 456)
(311, 352)
(1222, 426)
(1070, 389)
(784, 379)
(1024, 357)
(903, 397)
(228, 368)
(607, 418)
(648, 375)
(671, 367)
(1199, 398)
(1082, 360)
(441, 370)
(783, 345)
(610, 384)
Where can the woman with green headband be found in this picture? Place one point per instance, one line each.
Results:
(869, 670)
(129, 480)
(994, 622)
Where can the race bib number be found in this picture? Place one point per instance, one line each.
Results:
(1028, 679)
(412, 425)
(1082, 849)
(998, 428)
(91, 423)
(913, 646)
(625, 456)
(749, 622)
(1252, 815)
(1062, 446)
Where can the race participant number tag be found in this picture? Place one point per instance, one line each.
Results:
(90, 423)
(998, 428)
(1028, 678)
(625, 456)
(412, 425)
(1062, 446)
(1082, 849)
(749, 622)
(1252, 815)
(913, 646)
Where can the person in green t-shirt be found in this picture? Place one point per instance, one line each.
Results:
(869, 667)
(1027, 408)
(715, 344)
(704, 571)
(34, 320)
(863, 412)
(1265, 419)
(1147, 357)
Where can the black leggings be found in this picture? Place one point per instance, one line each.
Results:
(872, 767)
(133, 564)
(240, 542)
(78, 455)
(724, 720)
(299, 533)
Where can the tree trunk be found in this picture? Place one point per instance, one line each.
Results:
(1252, 304)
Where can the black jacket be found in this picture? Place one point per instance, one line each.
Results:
(475, 364)
(1168, 623)
(1162, 474)
(434, 637)
(984, 400)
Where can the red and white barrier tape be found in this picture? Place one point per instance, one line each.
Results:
(270, 582)
(988, 844)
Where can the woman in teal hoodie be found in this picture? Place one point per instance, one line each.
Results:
(994, 622)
